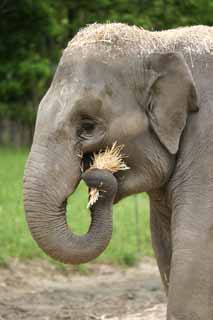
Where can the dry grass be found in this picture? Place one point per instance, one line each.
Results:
(110, 159)
(111, 41)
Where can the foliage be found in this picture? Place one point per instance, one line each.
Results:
(33, 34)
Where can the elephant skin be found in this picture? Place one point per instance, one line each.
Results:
(152, 92)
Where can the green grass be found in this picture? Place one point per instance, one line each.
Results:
(16, 241)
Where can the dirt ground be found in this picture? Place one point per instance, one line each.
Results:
(37, 290)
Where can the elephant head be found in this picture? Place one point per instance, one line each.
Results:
(109, 86)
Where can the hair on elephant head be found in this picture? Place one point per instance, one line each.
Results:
(113, 83)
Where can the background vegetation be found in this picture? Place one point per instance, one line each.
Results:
(33, 34)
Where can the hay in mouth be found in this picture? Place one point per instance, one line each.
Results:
(110, 159)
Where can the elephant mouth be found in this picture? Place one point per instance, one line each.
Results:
(120, 176)
(86, 161)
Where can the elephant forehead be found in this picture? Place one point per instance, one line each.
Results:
(108, 41)
(108, 33)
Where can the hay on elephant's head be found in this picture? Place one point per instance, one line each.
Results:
(111, 41)
(110, 159)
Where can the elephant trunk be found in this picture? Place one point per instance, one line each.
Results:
(50, 177)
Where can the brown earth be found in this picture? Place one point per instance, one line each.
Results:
(37, 290)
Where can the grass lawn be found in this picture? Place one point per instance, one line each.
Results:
(16, 241)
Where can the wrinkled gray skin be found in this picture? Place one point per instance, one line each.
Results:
(153, 93)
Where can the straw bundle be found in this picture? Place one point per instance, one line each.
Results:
(110, 159)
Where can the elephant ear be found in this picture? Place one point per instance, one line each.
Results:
(171, 96)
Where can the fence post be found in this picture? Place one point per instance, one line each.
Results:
(137, 224)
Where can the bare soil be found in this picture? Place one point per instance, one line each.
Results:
(37, 290)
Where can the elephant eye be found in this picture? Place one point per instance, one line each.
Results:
(88, 125)
(86, 128)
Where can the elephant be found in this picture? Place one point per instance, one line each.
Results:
(150, 91)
